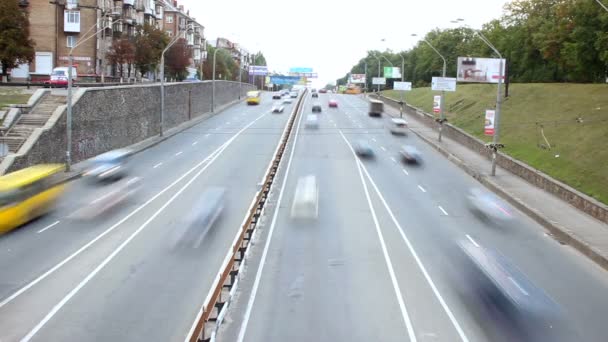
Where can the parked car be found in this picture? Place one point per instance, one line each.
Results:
(316, 108)
(410, 154)
(312, 121)
(398, 126)
(59, 77)
(333, 103)
(108, 167)
(363, 149)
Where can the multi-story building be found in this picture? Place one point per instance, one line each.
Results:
(177, 21)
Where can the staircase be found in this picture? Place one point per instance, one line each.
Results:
(36, 118)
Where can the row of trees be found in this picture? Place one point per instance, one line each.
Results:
(542, 40)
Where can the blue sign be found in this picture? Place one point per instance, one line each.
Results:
(284, 79)
(258, 70)
(300, 70)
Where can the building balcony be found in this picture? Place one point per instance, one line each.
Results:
(129, 2)
(117, 11)
(24, 3)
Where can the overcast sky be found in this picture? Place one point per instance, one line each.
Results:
(330, 36)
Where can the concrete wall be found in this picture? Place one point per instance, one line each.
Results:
(576, 198)
(109, 118)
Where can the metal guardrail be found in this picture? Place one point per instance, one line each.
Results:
(209, 315)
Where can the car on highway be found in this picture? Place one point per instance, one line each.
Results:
(376, 108)
(316, 108)
(410, 154)
(29, 193)
(312, 121)
(363, 149)
(293, 94)
(305, 203)
(191, 80)
(315, 95)
(203, 214)
(323, 91)
(254, 97)
(489, 207)
(276, 96)
(333, 103)
(277, 109)
(397, 126)
(108, 167)
(287, 100)
(106, 199)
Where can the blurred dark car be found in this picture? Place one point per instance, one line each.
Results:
(108, 167)
(489, 207)
(316, 108)
(323, 91)
(276, 96)
(203, 215)
(507, 305)
(315, 95)
(363, 149)
(410, 154)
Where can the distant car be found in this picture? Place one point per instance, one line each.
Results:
(410, 154)
(293, 94)
(322, 91)
(312, 121)
(306, 199)
(277, 109)
(276, 96)
(489, 207)
(287, 100)
(316, 108)
(363, 149)
(285, 92)
(398, 126)
(191, 80)
(110, 166)
(59, 77)
(333, 103)
(315, 95)
(203, 215)
(107, 198)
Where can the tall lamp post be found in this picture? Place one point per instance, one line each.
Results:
(376, 57)
(162, 78)
(442, 104)
(68, 129)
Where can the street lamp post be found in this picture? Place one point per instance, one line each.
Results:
(442, 103)
(402, 80)
(376, 57)
(365, 71)
(68, 128)
(162, 81)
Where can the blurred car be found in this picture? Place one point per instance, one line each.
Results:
(316, 108)
(333, 103)
(323, 91)
(312, 121)
(293, 94)
(363, 149)
(398, 126)
(203, 215)
(508, 306)
(306, 198)
(277, 109)
(191, 80)
(287, 100)
(489, 207)
(410, 154)
(59, 77)
(276, 96)
(285, 92)
(315, 95)
(109, 166)
(108, 198)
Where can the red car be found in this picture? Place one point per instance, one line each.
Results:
(322, 91)
(333, 103)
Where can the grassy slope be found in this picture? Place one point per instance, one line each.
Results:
(582, 147)
(12, 96)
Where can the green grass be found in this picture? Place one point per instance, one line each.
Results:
(12, 96)
(579, 151)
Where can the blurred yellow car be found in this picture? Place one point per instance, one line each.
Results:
(29, 193)
(253, 97)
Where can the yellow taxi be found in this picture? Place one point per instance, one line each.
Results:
(254, 97)
(29, 193)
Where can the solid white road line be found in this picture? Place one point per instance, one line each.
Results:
(383, 149)
(178, 153)
(194, 143)
(393, 159)
(472, 241)
(374, 139)
(409, 245)
(258, 275)
(387, 258)
(421, 188)
(405, 171)
(443, 211)
(157, 165)
(48, 227)
(206, 135)
(113, 227)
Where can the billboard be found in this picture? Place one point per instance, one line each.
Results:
(357, 78)
(284, 79)
(405, 86)
(437, 104)
(443, 84)
(392, 72)
(379, 81)
(482, 70)
(300, 70)
(258, 70)
(489, 122)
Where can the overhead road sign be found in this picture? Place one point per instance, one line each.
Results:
(443, 84)
(258, 70)
(304, 74)
(300, 70)
(285, 79)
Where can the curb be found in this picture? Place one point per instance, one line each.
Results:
(559, 232)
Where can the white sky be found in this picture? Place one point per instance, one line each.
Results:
(330, 36)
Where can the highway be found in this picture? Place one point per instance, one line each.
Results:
(117, 278)
(374, 265)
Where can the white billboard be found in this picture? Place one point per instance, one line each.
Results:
(378, 81)
(482, 70)
(443, 84)
(405, 86)
(357, 78)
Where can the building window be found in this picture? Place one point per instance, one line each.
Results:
(71, 4)
(71, 41)
(73, 17)
(169, 19)
(170, 33)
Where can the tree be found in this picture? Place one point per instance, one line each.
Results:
(15, 45)
(177, 59)
(225, 66)
(122, 52)
(149, 44)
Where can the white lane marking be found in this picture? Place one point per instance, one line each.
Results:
(109, 230)
(438, 295)
(194, 143)
(472, 241)
(258, 275)
(443, 210)
(228, 123)
(383, 149)
(178, 153)
(48, 227)
(374, 139)
(387, 258)
(109, 258)
(217, 128)
(421, 188)
(366, 132)
(157, 165)
(405, 171)
(393, 159)
(518, 286)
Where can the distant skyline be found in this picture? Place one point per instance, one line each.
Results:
(331, 36)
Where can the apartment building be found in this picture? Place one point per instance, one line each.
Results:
(175, 21)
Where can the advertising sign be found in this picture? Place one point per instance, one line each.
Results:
(284, 79)
(357, 78)
(482, 70)
(379, 81)
(258, 70)
(436, 103)
(304, 74)
(443, 84)
(406, 86)
(300, 70)
(489, 122)
(392, 72)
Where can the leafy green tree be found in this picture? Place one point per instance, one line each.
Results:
(178, 59)
(122, 52)
(15, 45)
(149, 44)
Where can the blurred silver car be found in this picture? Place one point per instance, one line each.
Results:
(312, 121)
(489, 207)
(410, 154)
(277, 109)
(203, 215)
(363, 149)
(398, 126)
(306, 199)
(287, 100)
(107, 198)
(109, 166)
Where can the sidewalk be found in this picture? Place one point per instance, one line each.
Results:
(566, 223)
